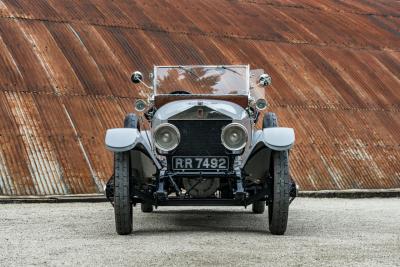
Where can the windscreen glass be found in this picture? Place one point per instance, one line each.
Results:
(204, 80)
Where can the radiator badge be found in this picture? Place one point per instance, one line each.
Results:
(200, 113)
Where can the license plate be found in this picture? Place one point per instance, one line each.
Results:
(200, 163)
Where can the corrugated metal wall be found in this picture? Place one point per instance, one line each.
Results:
(65, 66)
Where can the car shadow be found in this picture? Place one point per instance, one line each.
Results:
(192, 220)
(200, 212)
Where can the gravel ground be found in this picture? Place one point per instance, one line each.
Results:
(321, 232)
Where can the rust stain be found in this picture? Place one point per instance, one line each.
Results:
(64, 79)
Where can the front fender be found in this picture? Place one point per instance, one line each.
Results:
(127, 139)
(256, 159)
(121, 139)
(278, 138)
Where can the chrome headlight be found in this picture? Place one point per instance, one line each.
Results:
(234, 136)
(166, 137)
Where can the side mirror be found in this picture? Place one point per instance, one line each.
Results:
(137, 77)
(264, 80)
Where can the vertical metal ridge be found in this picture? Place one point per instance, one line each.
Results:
(42, 164)
(85, 155)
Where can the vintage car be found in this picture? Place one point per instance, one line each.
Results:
(195, 142)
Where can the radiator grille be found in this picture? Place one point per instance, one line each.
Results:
(200, 137)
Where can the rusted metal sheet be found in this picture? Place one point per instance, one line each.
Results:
(64, 79)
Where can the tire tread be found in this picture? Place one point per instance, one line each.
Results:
(280, 204)
(122, 201)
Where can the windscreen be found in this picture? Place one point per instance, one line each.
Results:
(208, 80)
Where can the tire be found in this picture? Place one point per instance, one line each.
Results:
(122, 199)
(131, 121)
(278, 208)
(258, 207)
(146, 207)
(270, 120)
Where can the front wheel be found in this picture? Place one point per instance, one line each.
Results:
(278, 208)
(122, 199)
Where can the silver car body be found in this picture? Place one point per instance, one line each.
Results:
(278, 138)
(200, 146)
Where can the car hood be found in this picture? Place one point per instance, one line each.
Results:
(223, 108)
